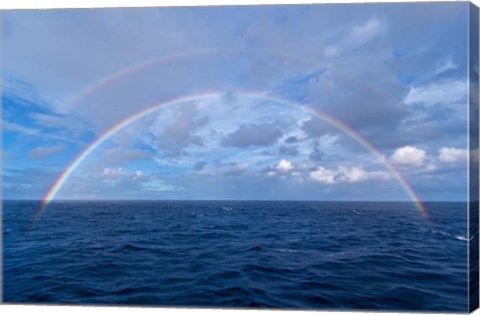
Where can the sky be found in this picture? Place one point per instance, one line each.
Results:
(243, 102)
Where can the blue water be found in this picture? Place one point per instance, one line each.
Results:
(309, 255)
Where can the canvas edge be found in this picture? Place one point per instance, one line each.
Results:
(1, 158)
(473, 180)
(473, 135)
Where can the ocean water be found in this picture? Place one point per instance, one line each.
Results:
(295, 255)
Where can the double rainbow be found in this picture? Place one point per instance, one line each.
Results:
(359, 138)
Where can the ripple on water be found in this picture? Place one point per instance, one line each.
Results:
(309, 255)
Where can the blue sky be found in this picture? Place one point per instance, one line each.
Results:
(395, 74)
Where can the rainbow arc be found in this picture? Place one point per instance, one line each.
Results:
(358, 137)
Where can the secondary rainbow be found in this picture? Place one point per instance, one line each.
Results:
(116, 76)
(359, 138)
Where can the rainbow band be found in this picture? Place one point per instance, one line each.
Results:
(123, 73)
(110, 79)
(58, 184)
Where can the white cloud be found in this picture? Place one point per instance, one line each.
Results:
(331, 51)
(17, 186)
(346, 175)
(358, 35)
(284, 166)
(431, 168)
(409, 156)
(112, 173)
(158, 185)
(43, 152)
(363, 33)
(357, 174)
(452, 155)
(138, 176)
(33, 132)
(75, 126)
(323, 175)
(445, 65)
(19, 128)
(446, 93)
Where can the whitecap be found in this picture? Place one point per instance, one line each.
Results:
(286, 250)
(462, 238)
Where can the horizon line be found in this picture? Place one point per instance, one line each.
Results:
(235, 200)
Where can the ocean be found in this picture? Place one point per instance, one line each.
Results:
(255, 254)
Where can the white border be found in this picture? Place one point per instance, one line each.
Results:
(469, 90)
(49, 4)
(80, 310)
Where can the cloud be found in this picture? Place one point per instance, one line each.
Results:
(445, 65)
(26, 183)
(358, 35)
(18, 186)
(367, 108)
(316, 155)
(361, 85)
(112, 173)
(19, 128)
(34, 132)
(409, 156)
(237, 169)
(357, 174)
(158, 185)
(323, 175)
(431, 168)
(138, 176)
(199, 165)
(43, 152)
(120, 156)
(284, 166)
(285, 169)
(346, 175)
(70, 126)
(297, 87)
(292, 140)
(316, 127)
(452, 155)
(449, 93)
(288, 150)
(180, 134)
(253, 135)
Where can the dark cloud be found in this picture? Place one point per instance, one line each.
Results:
(199, 165)
(367, 115)
(181, 132)
(297, 87)
(235, 169)
(119, 156)
(291, 140)
(316, 155)
(364, 108)
(315, 127)
(253, 135)
(288, 150)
